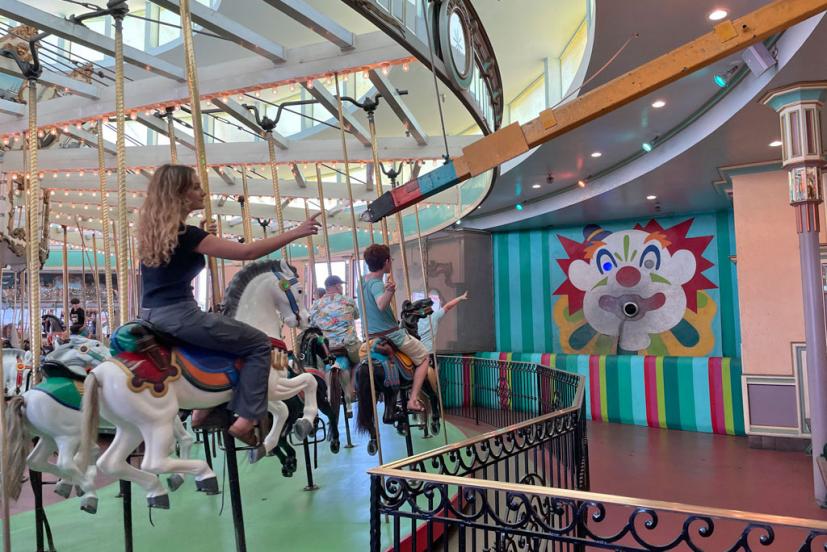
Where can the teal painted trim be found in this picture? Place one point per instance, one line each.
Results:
(501, 279)
(548, 320)
(526, 276)
(55, 259)
(513, 284)
(735, 373)
(727, 302)
(780, 101)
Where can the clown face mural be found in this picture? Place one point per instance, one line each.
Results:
(629, 287)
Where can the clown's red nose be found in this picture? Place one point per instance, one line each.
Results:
(628, 276)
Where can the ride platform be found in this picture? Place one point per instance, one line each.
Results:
(278, 513)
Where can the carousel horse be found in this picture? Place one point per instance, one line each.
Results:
(316, 358)
(392, 373)
(51, 412)
(141, 393)
(17, 370)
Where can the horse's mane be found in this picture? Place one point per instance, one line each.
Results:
(232, 296)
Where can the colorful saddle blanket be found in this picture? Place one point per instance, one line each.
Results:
(206, 369)
(66, 391)
(399, 368)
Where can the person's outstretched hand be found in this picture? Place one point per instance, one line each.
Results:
(464, 296)
(310, 227)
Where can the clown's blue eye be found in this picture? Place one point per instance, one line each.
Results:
(605, 261)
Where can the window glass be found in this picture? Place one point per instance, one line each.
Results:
(572, 56)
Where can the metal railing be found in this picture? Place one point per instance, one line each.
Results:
(525, 486)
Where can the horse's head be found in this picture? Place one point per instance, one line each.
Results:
(289, 300)
(413, 312)
(80, 352)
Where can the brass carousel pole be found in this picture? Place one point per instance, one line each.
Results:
(355, 238)
(324, 220)
(120, 149)
(65, 267)
(246, 223)
(198, 134)
(311, 256)
(107, 246)
(97, 286)
(33, 236)
(274, 176)
(431, 325)
(173, 151)
(4, 450)
(223, 268)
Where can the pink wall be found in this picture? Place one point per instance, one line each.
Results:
(769, 274)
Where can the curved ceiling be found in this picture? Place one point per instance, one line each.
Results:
(680, 175)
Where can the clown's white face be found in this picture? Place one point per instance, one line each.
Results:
(632, 287)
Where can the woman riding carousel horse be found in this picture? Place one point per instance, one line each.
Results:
(172, 255)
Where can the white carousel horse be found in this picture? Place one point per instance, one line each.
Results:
(264, 295)
(17, 366)
(51, 411)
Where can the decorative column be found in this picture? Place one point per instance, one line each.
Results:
(799, 107)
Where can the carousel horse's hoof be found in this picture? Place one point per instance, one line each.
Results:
(175, 481)
(372, 448)
(302, 429)
(334, 446)
(256, 454)
(161, 502)
(78, 491)
(208, 485)
(89, 504)
(63, 489)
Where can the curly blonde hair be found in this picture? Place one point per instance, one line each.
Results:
(162, 213)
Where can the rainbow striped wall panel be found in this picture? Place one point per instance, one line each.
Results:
(688, 393)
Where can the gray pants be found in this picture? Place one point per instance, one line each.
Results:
(220, 333)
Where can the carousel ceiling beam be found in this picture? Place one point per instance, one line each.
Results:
(91, 140)
(12, 108)
(82, 89)
(216, 80)
(137, 183)
(329, 102)
(241, 114)
(316, 21)
(227, 28)
(237, 153)
(23, 12)
(224, 176)
(159, 125)
(390, 95)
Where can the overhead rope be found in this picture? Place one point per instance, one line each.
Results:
(355, 239)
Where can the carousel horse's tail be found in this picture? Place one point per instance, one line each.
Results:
(18, 445)
(335, 390)
(90, 409)
(364, 417)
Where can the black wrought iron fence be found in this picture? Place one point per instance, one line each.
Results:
(524, 487)
(503, 392)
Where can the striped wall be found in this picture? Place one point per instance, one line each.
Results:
(526, 274)
(694, 394)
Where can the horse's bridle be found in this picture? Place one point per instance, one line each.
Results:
(285, 284)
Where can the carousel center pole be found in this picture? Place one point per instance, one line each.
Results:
(311, 257)
(198, 135)
(107, 246)
(355, 238)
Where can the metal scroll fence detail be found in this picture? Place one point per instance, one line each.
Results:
(525, 486)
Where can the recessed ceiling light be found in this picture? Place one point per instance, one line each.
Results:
(581, 183)
(535, 186)
(596, 154)
(717, 15)
(651, 197)
(775, 144)
(646, 146)
(657, 104)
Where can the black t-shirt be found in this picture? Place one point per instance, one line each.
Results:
(77, 316)
(172, 282)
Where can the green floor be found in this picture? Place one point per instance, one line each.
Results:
(278, 513)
